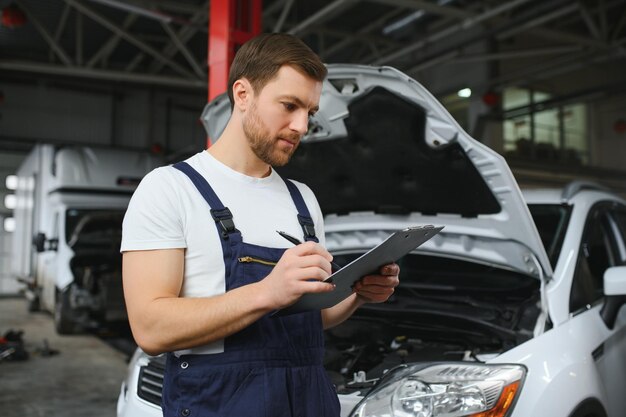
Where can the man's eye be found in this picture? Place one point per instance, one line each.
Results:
(289, 106)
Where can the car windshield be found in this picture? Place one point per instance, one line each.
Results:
(93, 228)
(551, 221)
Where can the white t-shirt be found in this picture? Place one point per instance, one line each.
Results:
(167, 211)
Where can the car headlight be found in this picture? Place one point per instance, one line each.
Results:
(445, 390)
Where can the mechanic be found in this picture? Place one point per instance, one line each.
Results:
(206, 295)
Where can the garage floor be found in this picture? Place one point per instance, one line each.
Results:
(83, 379)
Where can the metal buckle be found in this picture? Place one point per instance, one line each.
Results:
(307, 226)
(225, 219)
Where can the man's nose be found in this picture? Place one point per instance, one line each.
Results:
(300, 122)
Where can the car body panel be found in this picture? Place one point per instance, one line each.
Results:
(438, 136)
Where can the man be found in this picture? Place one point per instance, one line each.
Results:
(203, 266)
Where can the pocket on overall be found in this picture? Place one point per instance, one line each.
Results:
(265, 332)
(252, 269)
(233, 391)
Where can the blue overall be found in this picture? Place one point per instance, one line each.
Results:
(272, 368)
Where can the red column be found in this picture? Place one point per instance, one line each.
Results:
(231, 24)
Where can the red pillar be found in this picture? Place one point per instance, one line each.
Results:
(231, 24)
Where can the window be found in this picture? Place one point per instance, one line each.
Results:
(619, 217)
(597, 253)
(93, 228)
(537, 128)
(551, 221)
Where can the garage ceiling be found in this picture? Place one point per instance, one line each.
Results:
(164, 42)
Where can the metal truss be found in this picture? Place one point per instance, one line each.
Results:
(163, 42)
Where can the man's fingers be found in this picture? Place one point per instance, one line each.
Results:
(360, 287)
(380, 280)
(311, 248)
(317, 287)
(390, 269)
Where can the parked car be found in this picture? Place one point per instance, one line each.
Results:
(514, 309)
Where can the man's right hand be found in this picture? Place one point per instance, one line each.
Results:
(299, 271)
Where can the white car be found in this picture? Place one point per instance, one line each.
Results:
(514, 309)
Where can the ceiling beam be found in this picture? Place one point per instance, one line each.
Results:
(427, 7)
(540, 20)
(620, 24)
(278, 27)
(109, 46)
(138, 10)
(44, 34)
(108, 75)
(175, 6)
(60, 28)
(79, 39)
(133, 63)
(326, 13)
(518, 54)
(545, 69)
(128, 37)
(183, 50)
(456, 57)
(467, 23)
(604, 26)
(591, 25)
(351, 38)
(200, 16)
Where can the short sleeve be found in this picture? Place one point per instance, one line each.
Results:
(153, 218)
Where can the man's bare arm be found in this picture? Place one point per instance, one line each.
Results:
(162, 321)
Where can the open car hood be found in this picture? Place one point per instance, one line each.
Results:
(382, 154)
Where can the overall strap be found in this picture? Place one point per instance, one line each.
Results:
(223, 217)
(304, 217)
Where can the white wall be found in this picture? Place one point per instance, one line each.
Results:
(93, 114)
(608, 147)
(8, 284)
(108, 116)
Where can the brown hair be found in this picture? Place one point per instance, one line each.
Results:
(259, 60)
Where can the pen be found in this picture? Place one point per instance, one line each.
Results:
(295, 241)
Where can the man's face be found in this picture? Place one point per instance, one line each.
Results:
(278, 115)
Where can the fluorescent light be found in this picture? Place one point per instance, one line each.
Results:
(10, 201)
(465, 92)
(9, 224)
(399, 24)
(406, 20)
(11, 182)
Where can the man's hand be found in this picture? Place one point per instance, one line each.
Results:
(298, 272)
(378, 288)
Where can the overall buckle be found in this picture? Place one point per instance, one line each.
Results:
(225, 219)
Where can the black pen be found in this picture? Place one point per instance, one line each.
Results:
(295, 241)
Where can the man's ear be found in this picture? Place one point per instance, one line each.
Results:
(242, 94)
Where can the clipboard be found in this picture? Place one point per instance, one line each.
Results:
(390, 250)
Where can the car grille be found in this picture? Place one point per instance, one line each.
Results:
(150, 383)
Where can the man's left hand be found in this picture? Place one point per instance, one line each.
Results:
(378, 288)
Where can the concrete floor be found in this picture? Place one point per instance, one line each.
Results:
(82, 380)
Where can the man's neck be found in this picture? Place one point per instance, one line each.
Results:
(232, 149)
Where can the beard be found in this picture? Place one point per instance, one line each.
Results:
(266, 147)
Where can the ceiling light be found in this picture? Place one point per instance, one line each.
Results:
(10, 201)
(11, 182)
(399, 24)
(465, 93)
(9, 224)
(406, 20)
